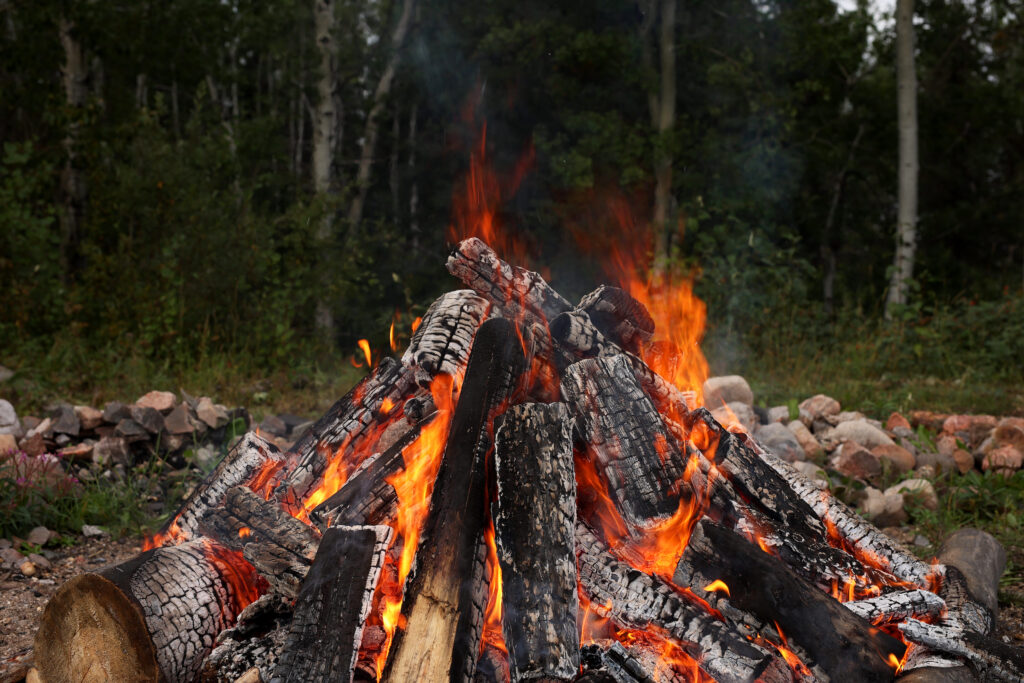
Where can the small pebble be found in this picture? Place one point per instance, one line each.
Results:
(27, 568)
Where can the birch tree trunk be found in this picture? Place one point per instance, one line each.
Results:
(74, 75)
(906, 105)
(372, 129)
(325, 136)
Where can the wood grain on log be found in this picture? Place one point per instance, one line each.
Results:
(892, 607)
(837, 640)
(332, 606)
(637, 600)
(627, 440)
(535, 526)
(442, 341)
(280, 547)
(156, 615)
(443, 621)
(619, 316)
(252, 457)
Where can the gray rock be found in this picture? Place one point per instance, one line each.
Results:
(40, 535)
(40, 561)
(109, 450)
(881, 509)
(90, 531)
(272, 424)
(812, 472)
(178, 421)
(214, 416)
(161, 401)
(803, 435)
(736, 411)
(919, 490)
(780, 441)
(938, 462)
(115, 411)
(11, 557)
(778, 414)
(855, 461)
(9, 422)
(900, 459)
(848, 415)
(727, 389)
(858, 431)
(300, 430)
(205, 457)
(150, 418)
(65, 421)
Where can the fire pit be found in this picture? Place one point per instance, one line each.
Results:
(523, 496)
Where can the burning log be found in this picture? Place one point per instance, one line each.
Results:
(367, 497)
(252, 459)
(626, 437)
(333, 604)
(357, 417)
(535, 524)
(442, 341)
(611, 662)
(443, 609)
(153, 617)
(619, 316)
(886, 609)
(637, 600)
(279, 546)
(253, 643)
(837, 640)
(993, 659)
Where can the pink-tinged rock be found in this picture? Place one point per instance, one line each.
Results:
(806, 440)
(1010, 431)
(8, 443)
(727, 389)
(39, 535)
(882, 510)
(1005, 459)
(860, 431)
(42, 429)
(78, 451)
(946, 444)
(158, 400)
(981, 428)
(964, 461)
(818, 406)
(956, 423)
(848, 415)
(919, 491)
(178, 421)
(734, 414)
(855, 461)
(210, 413)
(33, 445)
(900, 458)
(896, 420)
(929, 419)
(89, 417)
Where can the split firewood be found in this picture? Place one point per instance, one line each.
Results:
(367, 497)
(442, 608)
(535, 526)
(892, 607)
(153, 617)
(492, 665)
(637, 600)
(837, 640)
(619, 316)
(252, 459)
(353, 424)
(332, 606)
(280, 547)
(442, 341)
(994, 660)
(626, 438)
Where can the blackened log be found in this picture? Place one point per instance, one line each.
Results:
(974, 562)
(367, 497)
(352, 425)
(619, 316)
(626, 439)
(443, 618)
(254, 643)
(442, 341)
(332, 606)
(994, 660)
(251, 459)
(155, 616)
(837, 640)
(280, 547)
(892, 607)
(492, 666)
(535, 527)
(611, 662)
(637, 600)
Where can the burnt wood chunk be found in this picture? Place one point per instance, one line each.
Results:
(442, 341)
(993, 659)
(838, 641)
(611, 662)
(250, 458)
(619, 316)
(637, 600)
(152, 618)
(892, 607)
(626, 439)
(353, 425)
(279, 546)
(443, 608)
(535, 527)
(253, 645)
(332, 606)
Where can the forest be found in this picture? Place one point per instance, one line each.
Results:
(215, 192)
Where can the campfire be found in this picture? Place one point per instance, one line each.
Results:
(528, 495)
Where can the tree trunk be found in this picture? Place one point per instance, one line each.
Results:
(75, 75)
(325, 139)
(906, 106)
(663, 125)
(370, 132)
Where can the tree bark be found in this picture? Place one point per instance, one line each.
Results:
(442, 341)
(663, 126)
(325, 140)
(906, 105)
(75, 75)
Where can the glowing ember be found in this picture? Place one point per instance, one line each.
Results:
(795, 665)
(717, 586)
(245, 584)
(244, 532)
(492, 634)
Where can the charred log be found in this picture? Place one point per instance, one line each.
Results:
(535, 525)
(442, 341)
(153, 617)
(254, 643)
(637, 600)
(837, 640)
(619, 316)
(443, 609)
(332, 606)
(994, 660)
(886, 609)
(280, 547)
(611, 662)
(626, 439)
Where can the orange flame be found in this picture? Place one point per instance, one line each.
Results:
(244, 584)
(717, 586)
(795, 665)
(364, 346)
(492, 634)
(391, 335)
(244, 532)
